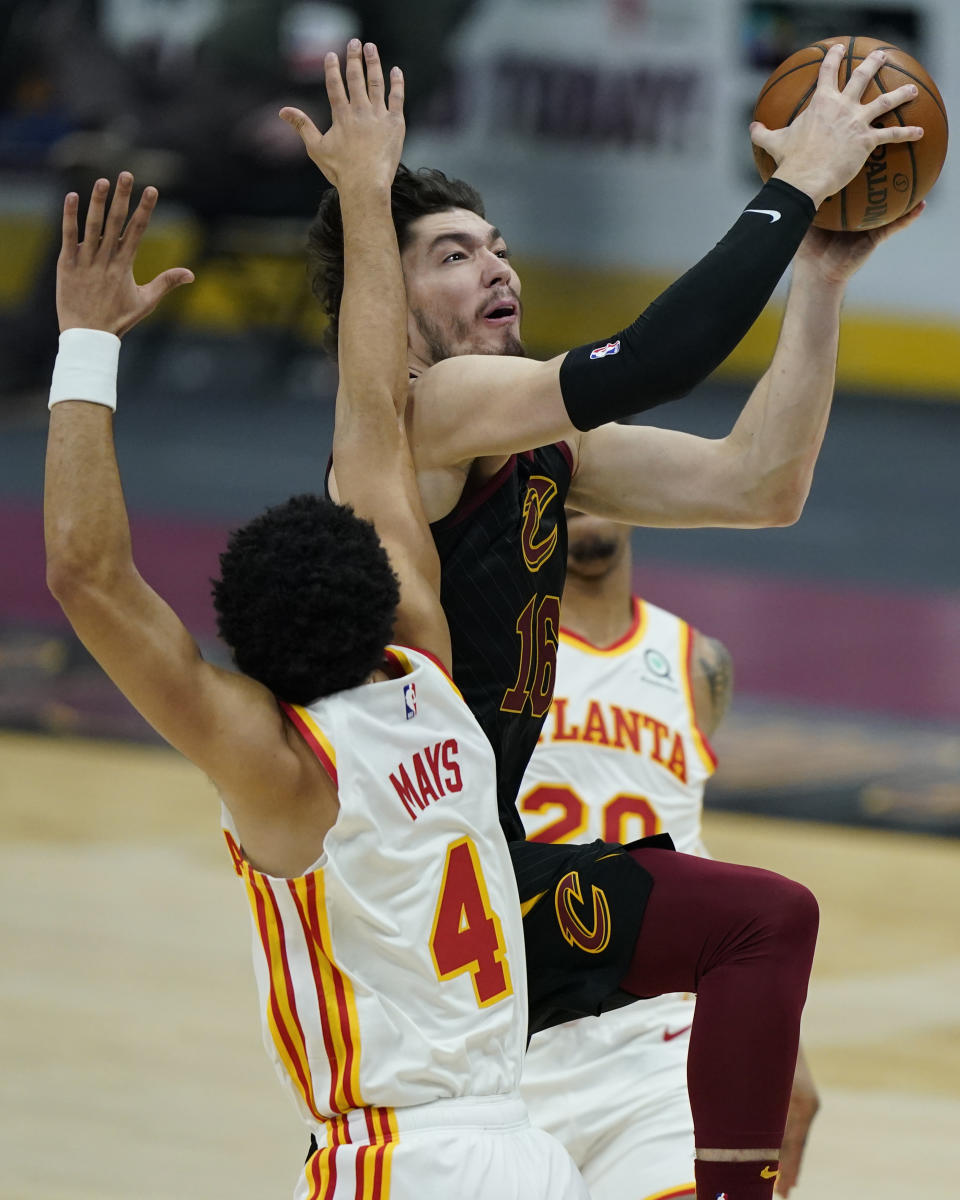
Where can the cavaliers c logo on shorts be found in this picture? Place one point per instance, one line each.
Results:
(591, 937)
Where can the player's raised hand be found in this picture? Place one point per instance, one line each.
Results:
(837, 256)
(828, 143)
(95, 284)
(363, 145)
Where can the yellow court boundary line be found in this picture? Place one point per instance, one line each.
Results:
(907, 353)
(566, 305)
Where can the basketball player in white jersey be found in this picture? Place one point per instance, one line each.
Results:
(625, 753)
(358, 790)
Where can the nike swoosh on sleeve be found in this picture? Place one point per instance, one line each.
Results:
(765, 212)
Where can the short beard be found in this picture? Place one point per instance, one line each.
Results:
(594, 549)
(456, 339)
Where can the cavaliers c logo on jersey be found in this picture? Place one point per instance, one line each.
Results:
(591, 938)
(537, 549)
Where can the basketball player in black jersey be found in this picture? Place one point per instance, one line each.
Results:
(478, 405)
(606, 923)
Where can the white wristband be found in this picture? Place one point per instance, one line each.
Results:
(86, 368)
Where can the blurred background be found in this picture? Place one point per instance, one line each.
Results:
(609, 140)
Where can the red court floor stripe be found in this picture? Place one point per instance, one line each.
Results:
(177, 557)
(843, 645)
(870, 649)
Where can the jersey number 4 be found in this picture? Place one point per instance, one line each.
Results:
(467, 935)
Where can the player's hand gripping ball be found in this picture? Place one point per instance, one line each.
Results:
(895, 178)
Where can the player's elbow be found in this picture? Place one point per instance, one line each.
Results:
(780, 507)
(767, 503)
(777, 496)
(764, 508)
(67, 578)
(784, 507)
(75, 580)
(63, 564)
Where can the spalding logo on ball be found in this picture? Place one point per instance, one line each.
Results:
(896, 177)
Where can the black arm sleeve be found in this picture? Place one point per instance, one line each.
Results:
(691, 328)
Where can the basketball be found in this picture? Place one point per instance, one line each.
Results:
(895, 178)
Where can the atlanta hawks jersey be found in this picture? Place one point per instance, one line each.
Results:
(620, 757)
(391, 973)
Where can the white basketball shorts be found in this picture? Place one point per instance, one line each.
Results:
(625, 1116)
(477, 1148)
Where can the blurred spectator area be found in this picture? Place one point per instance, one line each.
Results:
(185, 94)
(250, 270)
(845, 629)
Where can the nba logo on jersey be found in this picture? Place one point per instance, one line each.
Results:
(721, 1196)
(410, 700)
(603, 351)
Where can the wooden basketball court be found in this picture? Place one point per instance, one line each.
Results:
(129, 1033)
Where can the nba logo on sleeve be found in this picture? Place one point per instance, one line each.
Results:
(410, 700)
(603, 351)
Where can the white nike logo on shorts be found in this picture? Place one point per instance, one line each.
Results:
(766, 212)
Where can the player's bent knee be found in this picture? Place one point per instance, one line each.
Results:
(792, 914)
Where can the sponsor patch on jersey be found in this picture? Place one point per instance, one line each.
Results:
(657, 669)
(410, 700)
(604, 351)
(656, 663)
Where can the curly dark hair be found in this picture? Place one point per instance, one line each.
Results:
(306, 598)
(414, 194)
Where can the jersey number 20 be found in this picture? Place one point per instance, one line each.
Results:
(624, 818)
(467, 935)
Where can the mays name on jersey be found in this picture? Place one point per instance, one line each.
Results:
(428, 776)
(621, 729)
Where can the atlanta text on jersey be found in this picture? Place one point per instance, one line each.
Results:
(621, 729)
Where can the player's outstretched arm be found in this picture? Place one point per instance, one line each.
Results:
(470, 406)
(228, 725)
(374, 469)
(759, 474)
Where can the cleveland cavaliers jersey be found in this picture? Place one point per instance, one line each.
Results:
(503, 558)
(620, 757)
(391, 973)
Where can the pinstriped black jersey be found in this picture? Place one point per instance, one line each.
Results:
(503, 553)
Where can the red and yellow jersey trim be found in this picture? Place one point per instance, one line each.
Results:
(373, 1158)
(314, 736)
(631, 638)
(282, 1015)
(396, 654)
(704, 749)
(395, 657)
(334, 996)
(675, 1193)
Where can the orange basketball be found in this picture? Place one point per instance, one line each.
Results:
(895, 178)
